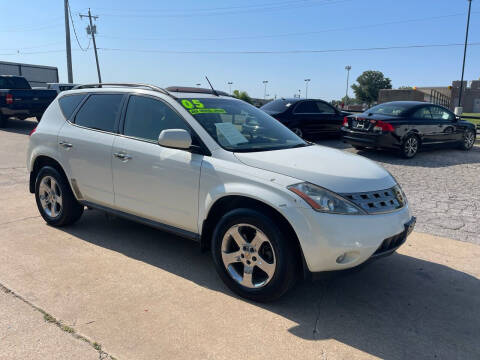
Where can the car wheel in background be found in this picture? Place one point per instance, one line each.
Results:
(55, 199)
(297, 131)
(410, 146)
(468, 140)
(253, 256)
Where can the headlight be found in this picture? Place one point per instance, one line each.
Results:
(322, 200)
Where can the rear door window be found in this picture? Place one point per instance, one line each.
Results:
(440, 114)
(324, 108)
(423, 114)
(147, 117)
(100, 112)
(69, 103)
(307, 107)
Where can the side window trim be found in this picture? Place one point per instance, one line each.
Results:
(73, 118)
(121, 125)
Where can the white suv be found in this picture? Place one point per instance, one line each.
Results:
(270, 206)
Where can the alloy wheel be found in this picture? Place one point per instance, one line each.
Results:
(469, 139)
(50, 196)
(248, 256)
(411, 146)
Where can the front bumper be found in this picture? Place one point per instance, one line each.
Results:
(335, 242)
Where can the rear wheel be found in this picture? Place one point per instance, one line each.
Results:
(253, 256)
(410, 146)
(468, 140)
(55, 199)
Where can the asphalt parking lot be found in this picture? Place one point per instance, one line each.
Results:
(138, 293)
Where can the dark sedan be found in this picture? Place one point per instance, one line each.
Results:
(307, 118)
(407, 126)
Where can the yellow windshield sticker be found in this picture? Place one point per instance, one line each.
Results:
(207, 111)
(195, 103)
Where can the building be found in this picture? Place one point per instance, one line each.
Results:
(36, 75)
(442, 95)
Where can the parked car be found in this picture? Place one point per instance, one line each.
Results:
(307, 118)
(59, 87)
(19, 100)
(215, 169)
(407, 126)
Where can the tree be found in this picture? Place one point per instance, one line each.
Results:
(405, 88)
(242, 95)
(369, 85)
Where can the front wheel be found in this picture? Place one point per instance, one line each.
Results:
(55, 199)
(410, 146)
(253, 256)
(468, 140)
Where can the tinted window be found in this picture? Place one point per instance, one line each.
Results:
(325, 108)
(307, 107)
(69, 103)
(13, 83)
(423, 113)
(99, 112)
(440, 114)
(391, 109)
(276, 106)
(147, 117)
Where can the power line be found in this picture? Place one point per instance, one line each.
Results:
(75, 31)
(288, 34)
(49, 26)
(255, 52)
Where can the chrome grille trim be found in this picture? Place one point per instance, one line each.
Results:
(381, 201)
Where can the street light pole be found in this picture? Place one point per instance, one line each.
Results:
(306, 87)
(230, 87)
(465, 53)
(348, 68)
(265, 82)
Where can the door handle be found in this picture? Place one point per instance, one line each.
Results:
(122, 156)
(65, 145)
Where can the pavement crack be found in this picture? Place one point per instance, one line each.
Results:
(102, 355)
(21, 219)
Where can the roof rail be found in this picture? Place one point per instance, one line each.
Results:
(100, 85)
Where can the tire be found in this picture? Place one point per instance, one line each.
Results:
(410, 146)
(468, 140)
(264, 265)
(298, 131)
(55, 199)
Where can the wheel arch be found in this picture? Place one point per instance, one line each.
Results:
(38, 163)
(231, 202)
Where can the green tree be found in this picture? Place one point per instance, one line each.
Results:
(405, 88)
(242, 95)
(369, 85)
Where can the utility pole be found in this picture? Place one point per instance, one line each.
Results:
(465, 53)
(348, 68)
(265, 82)
(68, 45)
(230, 87)
(92, 30)
(306, 87)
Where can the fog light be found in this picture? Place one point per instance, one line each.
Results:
(341, 258)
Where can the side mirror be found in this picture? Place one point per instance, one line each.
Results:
(175, 138)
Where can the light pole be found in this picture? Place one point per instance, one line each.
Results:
(198, 85)
(299, 93)
(265, 82)
(306, 87)
(465, 53)
(230, 86)
(348, 68)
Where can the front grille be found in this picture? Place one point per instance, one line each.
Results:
(374, 202)
(391, 244)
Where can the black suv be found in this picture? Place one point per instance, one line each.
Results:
(407, 126)
(306, 117)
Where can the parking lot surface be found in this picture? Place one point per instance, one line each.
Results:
(143, 294)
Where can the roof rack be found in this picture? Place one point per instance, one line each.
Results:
(100, 85)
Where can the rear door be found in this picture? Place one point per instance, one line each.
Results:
(85, 143)
(309, 119)
(329, 117)
(152, 181)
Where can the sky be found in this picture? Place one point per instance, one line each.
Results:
(246, 42)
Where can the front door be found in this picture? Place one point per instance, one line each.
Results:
(86, 147)
(446, 124)
(151, 181)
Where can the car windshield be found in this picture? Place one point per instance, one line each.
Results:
(240, 127)
(389, 109)
(276, 106)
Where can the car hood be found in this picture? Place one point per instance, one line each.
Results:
(335, 170)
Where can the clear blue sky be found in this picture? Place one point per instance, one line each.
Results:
(158, 29)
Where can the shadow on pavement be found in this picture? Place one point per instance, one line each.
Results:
(430, 158)
(397, 307)
(19, 126)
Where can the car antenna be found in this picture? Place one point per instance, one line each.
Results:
(209, 83)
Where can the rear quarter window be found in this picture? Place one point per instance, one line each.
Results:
(69, 103)
(99, 112)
